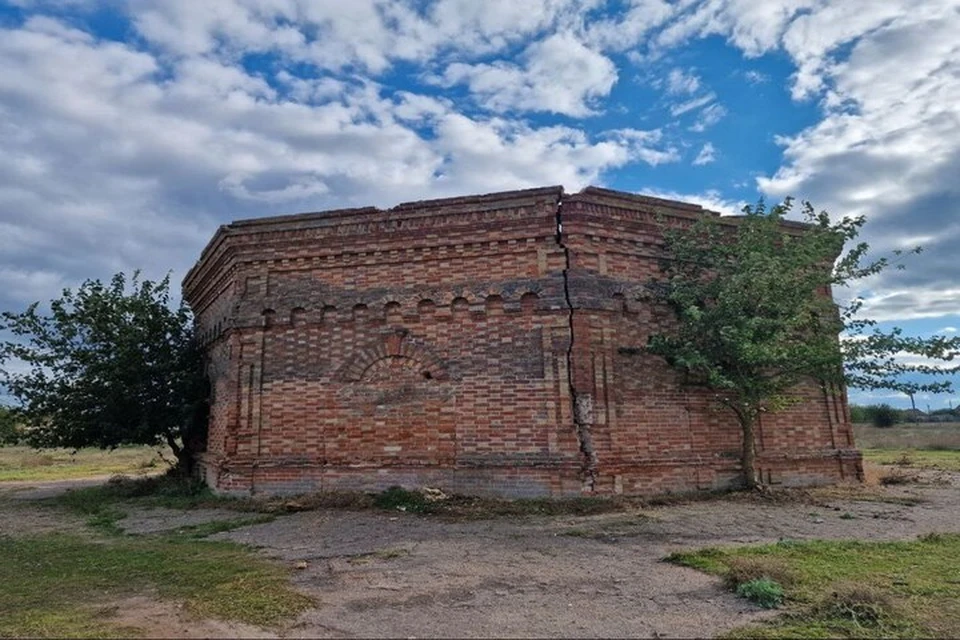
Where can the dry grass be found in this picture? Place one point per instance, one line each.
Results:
(931, 437)
(743, 569)
(890, 454)
(26, 464)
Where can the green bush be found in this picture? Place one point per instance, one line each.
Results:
(9, 430)
(764, 591)
(883, 415)
(859, 414)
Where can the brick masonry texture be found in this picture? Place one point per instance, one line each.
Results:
(487, 345)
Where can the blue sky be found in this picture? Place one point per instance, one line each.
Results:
(131, 129)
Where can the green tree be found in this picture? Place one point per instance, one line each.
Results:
(883, 415)
(859, 414)
(9, 433)
(110, 364)
(755, 318)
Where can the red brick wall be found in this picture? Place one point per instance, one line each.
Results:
(459, 343)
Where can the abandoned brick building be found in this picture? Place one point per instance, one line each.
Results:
(484, 345)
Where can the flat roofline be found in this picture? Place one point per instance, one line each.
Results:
(335, 216)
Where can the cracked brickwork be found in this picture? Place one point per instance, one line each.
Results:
(485, 344)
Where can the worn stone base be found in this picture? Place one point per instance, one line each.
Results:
(641, 479)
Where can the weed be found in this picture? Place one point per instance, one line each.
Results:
(764, 591)
(847, 516)
(905, 460)
(746, 569)
(896, 476)
(400, 499)
(862, 605)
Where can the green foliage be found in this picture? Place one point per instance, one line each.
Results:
(859, 414)
(879, 415)
(754, 318)
(9, 429)
(108, 365)
(764, 591)
(854, 589)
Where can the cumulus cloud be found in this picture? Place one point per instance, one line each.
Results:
(885, 148)
(558, 74)
(627, 30)
(886, 76)
(117, 157)
(125, 154)
(369, 34)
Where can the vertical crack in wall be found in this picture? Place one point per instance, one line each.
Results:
(581, 405)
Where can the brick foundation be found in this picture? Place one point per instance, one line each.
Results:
(465, 344)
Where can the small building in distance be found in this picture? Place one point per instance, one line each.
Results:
(486, 345)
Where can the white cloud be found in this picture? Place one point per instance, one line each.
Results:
(620, 32)
(128, 154)
(910, 304)
(754, 27)
(689, 105)
(886, 148)
(946, 330)
(117, 158)
(756, 77)
(493, 154)
(709, 116)
(558, 74)
(369, 34)
(681, 82)
(644, 146)
(707, 155)
(711, 200)
(887, 77)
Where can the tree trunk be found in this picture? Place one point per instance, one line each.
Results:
(186, 460)
(749, 454)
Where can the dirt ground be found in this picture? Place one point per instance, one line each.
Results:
(395, 574)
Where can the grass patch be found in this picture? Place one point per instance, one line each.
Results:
(943, 460)
(48, 583)
(104, 505)
(850, 588)
(26, 464)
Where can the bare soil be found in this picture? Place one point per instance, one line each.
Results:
(396, 574)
